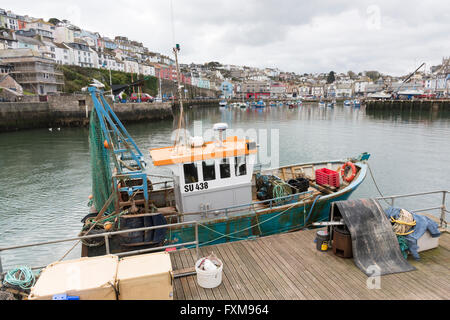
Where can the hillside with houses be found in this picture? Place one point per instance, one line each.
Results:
(39, 57)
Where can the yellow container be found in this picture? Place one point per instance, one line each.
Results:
(145, 277)
(90, 278)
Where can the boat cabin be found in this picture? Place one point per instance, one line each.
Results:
(210, 175)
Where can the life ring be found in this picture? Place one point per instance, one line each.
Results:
(349, 178)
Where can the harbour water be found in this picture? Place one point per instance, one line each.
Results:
(45, 175)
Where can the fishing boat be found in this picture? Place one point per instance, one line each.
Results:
(222, 103)
(348, 103)
(215, 193)
(273, 104)
(321, 104)
(356, 103)
(215, 183)
(243, 105)
(260, 104)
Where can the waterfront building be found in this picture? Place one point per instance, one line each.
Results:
(227, 89)
(317, 91)
(304, 89)
(63, 33)
(8, 40)
(146, 69)
(344, 90)
(35, 73)
(359, 86)
(40, 27)
(131, 65)
(277, 90)
(107, 43)
(82, 54)
(255, 89)
(62, 54)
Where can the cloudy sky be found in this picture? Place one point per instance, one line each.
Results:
(393, 37)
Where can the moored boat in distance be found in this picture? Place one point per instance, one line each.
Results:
(348, 103)
(222, 103)
(321, 104)
(260, 104)
(356, 103)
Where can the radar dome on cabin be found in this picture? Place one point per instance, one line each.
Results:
(209, 175)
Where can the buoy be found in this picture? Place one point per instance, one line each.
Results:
(108, 226)
(105, 143)
(90, 196)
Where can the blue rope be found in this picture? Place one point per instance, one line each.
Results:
(21, 277)
(312, 207)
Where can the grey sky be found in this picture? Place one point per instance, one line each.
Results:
(302, 36)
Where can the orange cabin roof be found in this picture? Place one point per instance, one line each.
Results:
(232, 147)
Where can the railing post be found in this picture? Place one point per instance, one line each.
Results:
(196, 239)
(444, 193)
(392, 202)
(1, 267)
(107, 244)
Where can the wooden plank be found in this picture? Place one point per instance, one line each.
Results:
(283, 173)
(330, 286)
(292, 268)
(268, 288)
(226, 289)
(191, 260)
(181, 287)
(249, 281)
(235, 276)
(190, 279)
(276, 270)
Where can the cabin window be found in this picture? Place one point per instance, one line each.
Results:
(225, 171)
(190, 173)
(209, 170)
(240, 166)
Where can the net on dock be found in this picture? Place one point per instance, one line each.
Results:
(100, 165)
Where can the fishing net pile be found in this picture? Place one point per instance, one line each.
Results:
(100, 165)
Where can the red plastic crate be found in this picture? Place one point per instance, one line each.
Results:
(328, 177)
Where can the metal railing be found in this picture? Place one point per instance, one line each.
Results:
(441, 207)
(107, 235)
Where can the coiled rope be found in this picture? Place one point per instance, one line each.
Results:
(21, 277)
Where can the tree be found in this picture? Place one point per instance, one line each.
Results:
(54, 21)
(351, 74)
(330, 77)
(373, 75)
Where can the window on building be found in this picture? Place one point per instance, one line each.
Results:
(209, 170)
(224, 166)
(240, 166)
(190, 173)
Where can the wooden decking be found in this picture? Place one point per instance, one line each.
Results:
(288, 266)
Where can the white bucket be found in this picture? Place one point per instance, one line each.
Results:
(209, 279)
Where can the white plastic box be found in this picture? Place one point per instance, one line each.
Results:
(145, 277)
(426, 242)
(90, 278)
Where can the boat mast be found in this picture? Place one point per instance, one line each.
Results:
(180, 96)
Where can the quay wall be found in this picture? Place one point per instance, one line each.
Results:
(407, 104)
(71, 111)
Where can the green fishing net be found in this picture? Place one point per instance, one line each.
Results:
(100, 165)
